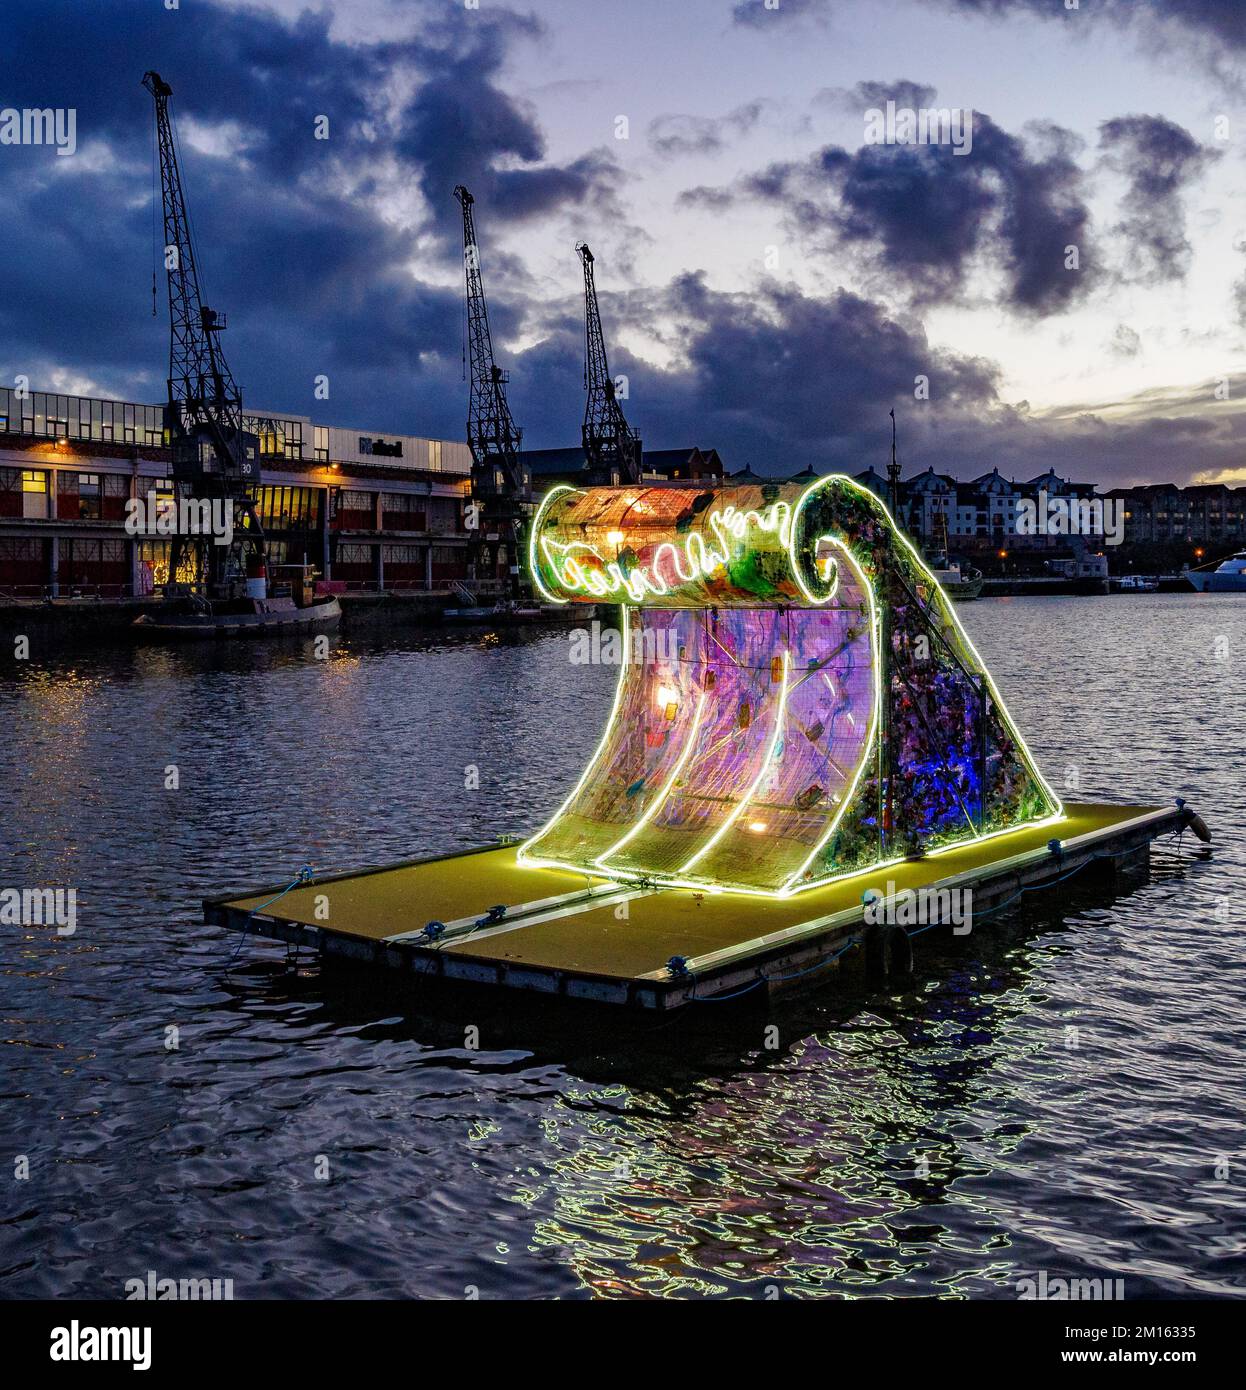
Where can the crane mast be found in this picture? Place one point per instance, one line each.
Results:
(214, 458)
(491, 432)
(610, 445)
(501, 485)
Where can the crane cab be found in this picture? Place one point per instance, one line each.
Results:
(196, 456)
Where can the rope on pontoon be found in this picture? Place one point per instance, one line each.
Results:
(304, 875)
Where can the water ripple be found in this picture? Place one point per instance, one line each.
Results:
(1061, 1092)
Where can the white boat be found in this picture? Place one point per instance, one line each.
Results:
(963, 584)
(1229, 578)
(1135, 584)
(959, 584)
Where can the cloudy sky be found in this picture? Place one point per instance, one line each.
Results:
(772, 284)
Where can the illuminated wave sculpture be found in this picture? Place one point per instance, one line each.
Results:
(796, 702)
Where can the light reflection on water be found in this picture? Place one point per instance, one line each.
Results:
(939, 1141)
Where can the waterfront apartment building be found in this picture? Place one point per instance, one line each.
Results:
(1210, 515)
(373, 510)
(981, 515)
(978, 515)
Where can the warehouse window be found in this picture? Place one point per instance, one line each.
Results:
(34, 494)
(88, 496)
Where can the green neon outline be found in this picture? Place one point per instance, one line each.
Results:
(522, 852)
(790, 888)
(534, 567)
(726, 527)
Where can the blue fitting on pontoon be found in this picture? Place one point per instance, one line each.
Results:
(493, 914)
(1055, 847)
(433, 930)
(678, 966)
(1180, 803)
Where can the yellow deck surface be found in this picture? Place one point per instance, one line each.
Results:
(388, 901)
(658, 925)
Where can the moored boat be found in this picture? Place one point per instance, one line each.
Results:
(957, 582)
(294, 607)
(1228, 578)
(193, 619)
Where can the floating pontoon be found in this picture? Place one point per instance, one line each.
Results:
(802, 742)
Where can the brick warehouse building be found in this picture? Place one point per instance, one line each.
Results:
(375, 511)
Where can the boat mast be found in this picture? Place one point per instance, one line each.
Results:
(893, 474)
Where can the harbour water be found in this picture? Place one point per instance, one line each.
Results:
(1058, 1093)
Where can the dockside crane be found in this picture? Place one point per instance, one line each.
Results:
(214, 458)
(501, 485)
(610, 444)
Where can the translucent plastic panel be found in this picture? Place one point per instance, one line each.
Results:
(728, 764)
(805, 704)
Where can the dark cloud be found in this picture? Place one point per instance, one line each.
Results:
(779, 381)
(1167, 435)
(1222, 21)
(707, 197)
(237, 65)
(1239, 301)
(925, 215)
(758, 13)
(1218, 22)
(273, 78)
(702, 135)
(772, 377)
(314, 279)
(461, 127)
(867, 95)
(1159, 159)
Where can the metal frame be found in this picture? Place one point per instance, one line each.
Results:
(204, 400)
(610, 443)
